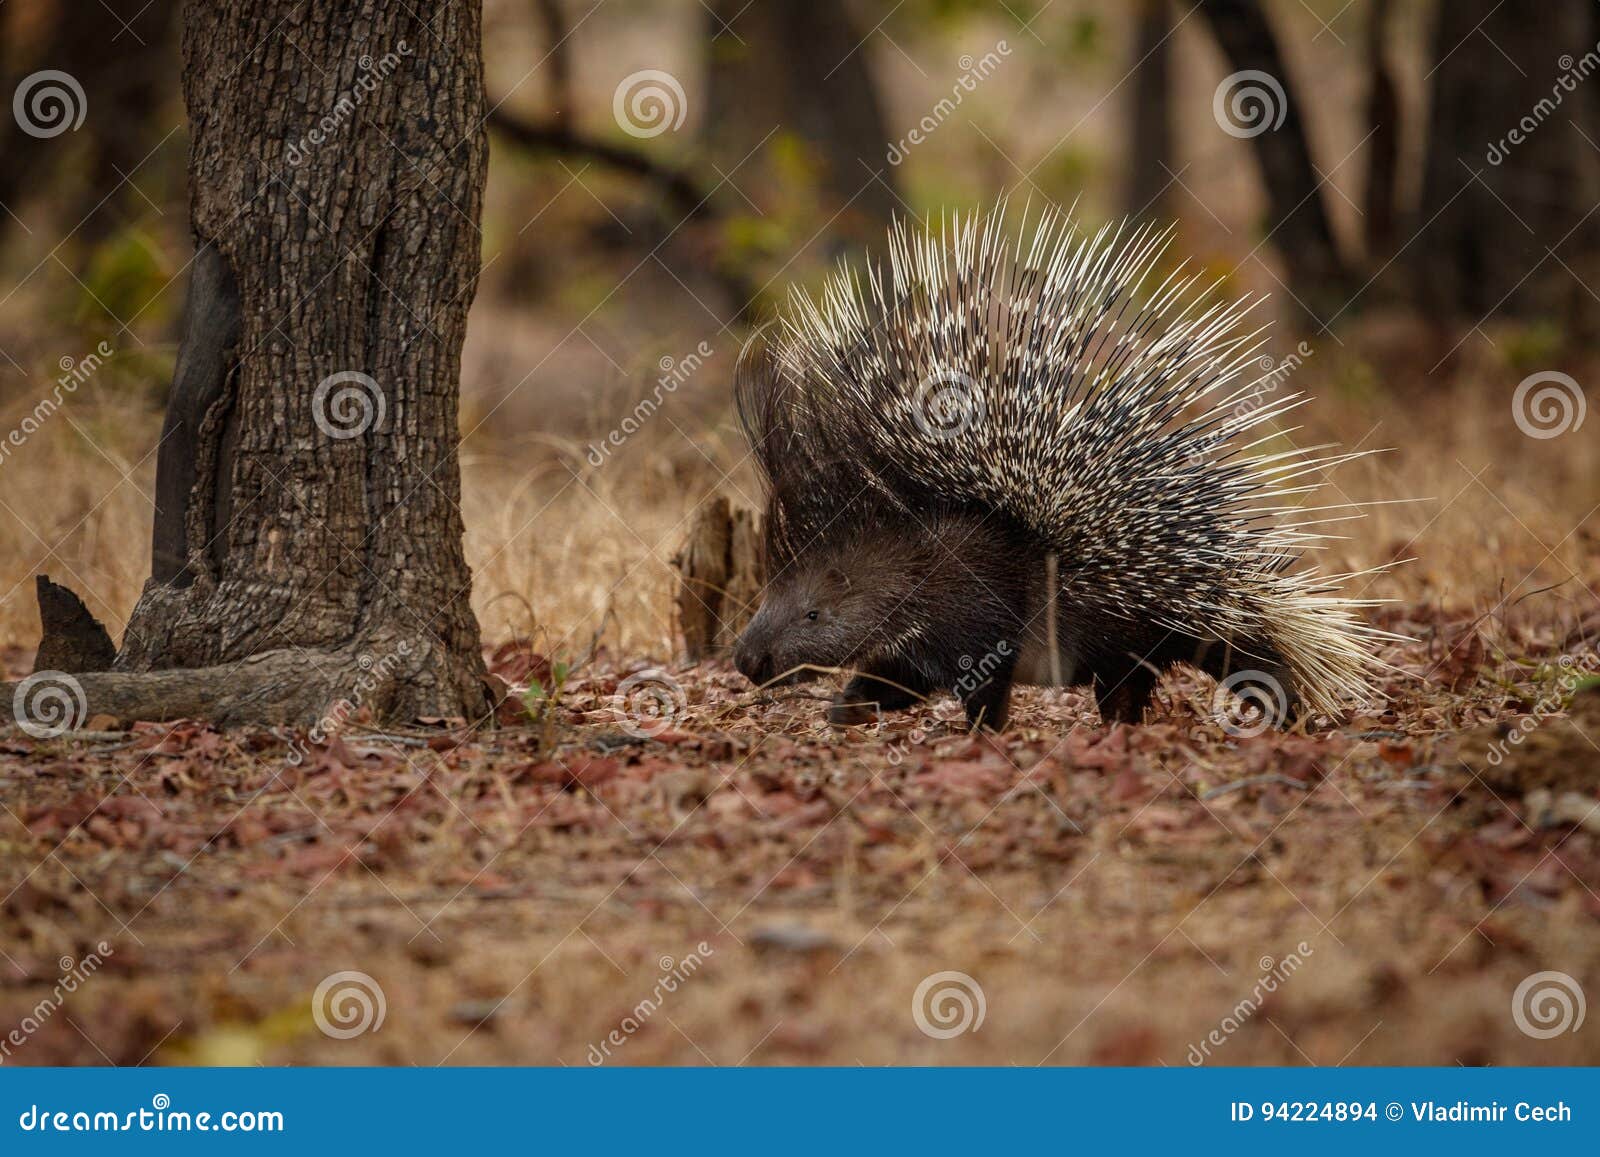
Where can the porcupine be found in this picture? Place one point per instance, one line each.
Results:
(991, 420)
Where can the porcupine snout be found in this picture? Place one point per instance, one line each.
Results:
(752, 656)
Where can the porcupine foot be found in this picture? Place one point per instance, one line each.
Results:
(989, 706)
(1269, 688)
(864, 697)
(988, 702)
(1256, 672)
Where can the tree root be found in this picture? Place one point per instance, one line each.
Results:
(286, 687)
(72, 685)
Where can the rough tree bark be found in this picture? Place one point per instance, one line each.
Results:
(307, 536)
(721, 572)
(1511, 170)
(1297, 217)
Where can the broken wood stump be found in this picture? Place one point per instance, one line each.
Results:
(73, 639)
(721, 572)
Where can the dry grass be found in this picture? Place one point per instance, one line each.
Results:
(560, 546)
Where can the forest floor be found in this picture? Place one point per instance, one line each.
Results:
(746, 884)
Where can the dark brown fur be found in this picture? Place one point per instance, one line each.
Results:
(956, 603)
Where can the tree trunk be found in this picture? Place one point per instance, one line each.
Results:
(307, 536)
(1383, 141)
(1150, 159)
(1297, 218)
(802, 67)
(557, 58)
(1511, 170)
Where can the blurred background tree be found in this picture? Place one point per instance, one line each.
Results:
(124, 55)
(768, 67)
(1507, 229)
(793, 107)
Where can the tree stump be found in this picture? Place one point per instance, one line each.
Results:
(72, 639)
(721, 572)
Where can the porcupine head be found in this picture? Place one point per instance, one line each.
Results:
(931, 432)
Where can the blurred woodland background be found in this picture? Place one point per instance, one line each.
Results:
(1428, 263)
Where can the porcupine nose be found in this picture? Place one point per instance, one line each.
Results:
(754, 664)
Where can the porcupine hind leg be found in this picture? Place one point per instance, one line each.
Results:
(986, 692)
(887, 687)
(1125, 696)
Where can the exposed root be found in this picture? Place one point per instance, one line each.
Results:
(276, 687)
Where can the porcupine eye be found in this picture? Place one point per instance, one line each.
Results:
(812, 616)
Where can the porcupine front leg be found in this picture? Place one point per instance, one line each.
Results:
(885, 687)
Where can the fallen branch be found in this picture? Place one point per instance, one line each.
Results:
(679, 186)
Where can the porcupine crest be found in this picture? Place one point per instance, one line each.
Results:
(1058, 379)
